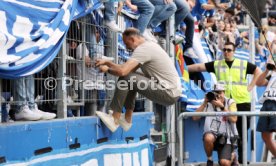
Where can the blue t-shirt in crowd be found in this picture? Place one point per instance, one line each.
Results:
(198, 11)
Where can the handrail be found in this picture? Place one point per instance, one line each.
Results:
(244, 115)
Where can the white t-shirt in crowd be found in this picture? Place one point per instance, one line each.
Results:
(270, 91)
(92, 78)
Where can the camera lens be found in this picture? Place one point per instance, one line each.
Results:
(211, 96)
(270, 66)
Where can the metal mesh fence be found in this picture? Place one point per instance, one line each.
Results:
(71, 85)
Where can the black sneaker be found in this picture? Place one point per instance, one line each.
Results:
(210, 163)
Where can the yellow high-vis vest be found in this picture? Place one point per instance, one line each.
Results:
(234, 79)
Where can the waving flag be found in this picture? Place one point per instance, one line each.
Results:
(182, 70)
(32, 32)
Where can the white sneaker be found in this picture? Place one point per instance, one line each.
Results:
(113, 26)
(74, 96)
(38, 98)
(69, 57)
(190, 53)
(149, 36)
(108, 120)
(124, 124)
(3, 100)
(178, 39)
(26, 114)
(44, 115)
(69, 99)
(122, 121)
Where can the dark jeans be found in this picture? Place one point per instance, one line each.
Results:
(242, 107)
(183, 14)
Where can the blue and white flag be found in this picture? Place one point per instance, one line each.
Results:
(32, 32)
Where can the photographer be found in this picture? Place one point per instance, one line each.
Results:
(233, 72)
(267, 124)
(220, 132)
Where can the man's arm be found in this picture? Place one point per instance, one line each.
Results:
(131, 6)
(197, 67)
(211, 6)
(117, 69)
(256, 75)
(208, 6)
(232, 108)
(262, 81)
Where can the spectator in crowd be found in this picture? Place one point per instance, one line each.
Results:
(271, 21)
(232, 72)
(92, 78)
(146, 10)
(183, 13)
(229, 33)
(26, 108)
(220, 132)
(234, 28)
(270, 4)
(239, 14)
(109, 15)
(267, 36)
(205, 8)
(220, 34)
(267, 124)
(227, 29)
(158, 81)
(229, 14)
(162, 11)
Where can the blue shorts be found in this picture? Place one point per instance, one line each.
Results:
(267, 123)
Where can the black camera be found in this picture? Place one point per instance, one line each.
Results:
(211, 96)
(234, 140)
(221, 139)
(270, 66)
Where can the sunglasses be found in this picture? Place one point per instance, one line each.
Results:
(227, 49)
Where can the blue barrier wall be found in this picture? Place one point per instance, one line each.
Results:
(34, 142)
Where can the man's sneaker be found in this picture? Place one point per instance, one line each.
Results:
(178, 39)
(124, 124)
(210, 163)
(26, 114)
(44, 115)
(69, 99)
(149, 36)
(190, 53)
(108, 120)
(122, 121)
(113, 26)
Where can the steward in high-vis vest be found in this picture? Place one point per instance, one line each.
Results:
(234, 79)
(233, 73)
